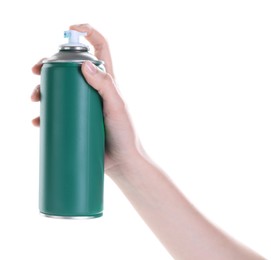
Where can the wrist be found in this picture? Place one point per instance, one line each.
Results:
(129, 166)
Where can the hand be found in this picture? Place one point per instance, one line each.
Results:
(121, 140)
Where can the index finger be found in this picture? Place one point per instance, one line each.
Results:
(37, 67)
(99, 43)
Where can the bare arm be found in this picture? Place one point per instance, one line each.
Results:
(175, 221)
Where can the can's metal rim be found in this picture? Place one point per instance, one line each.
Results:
(73, 48)
(71, 217)
(100, 62)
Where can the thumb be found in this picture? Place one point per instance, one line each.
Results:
(104, 84)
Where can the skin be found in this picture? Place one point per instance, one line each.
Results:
(180, 227)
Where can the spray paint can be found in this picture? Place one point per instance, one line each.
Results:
(72, 135)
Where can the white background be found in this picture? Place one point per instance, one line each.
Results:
(196, 78)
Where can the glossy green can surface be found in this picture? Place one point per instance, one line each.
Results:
(71, 143)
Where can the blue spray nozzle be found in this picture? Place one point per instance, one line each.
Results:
(74, 37)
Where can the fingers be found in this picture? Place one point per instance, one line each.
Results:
(37, 67)
(105, 85)
(36, 121)
(35, 97)
(99, 43)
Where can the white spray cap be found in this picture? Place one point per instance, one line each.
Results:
(74, 37)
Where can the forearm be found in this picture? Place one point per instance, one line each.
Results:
(178, 225)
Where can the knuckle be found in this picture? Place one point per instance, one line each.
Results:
(102, 44)
(105, 83)
(108, 80)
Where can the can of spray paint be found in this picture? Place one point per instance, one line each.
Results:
(72, 135)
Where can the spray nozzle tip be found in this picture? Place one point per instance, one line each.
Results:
(74, 36)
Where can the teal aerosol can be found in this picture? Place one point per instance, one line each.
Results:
(72, 135)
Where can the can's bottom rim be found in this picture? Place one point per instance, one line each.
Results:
(71, 217)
